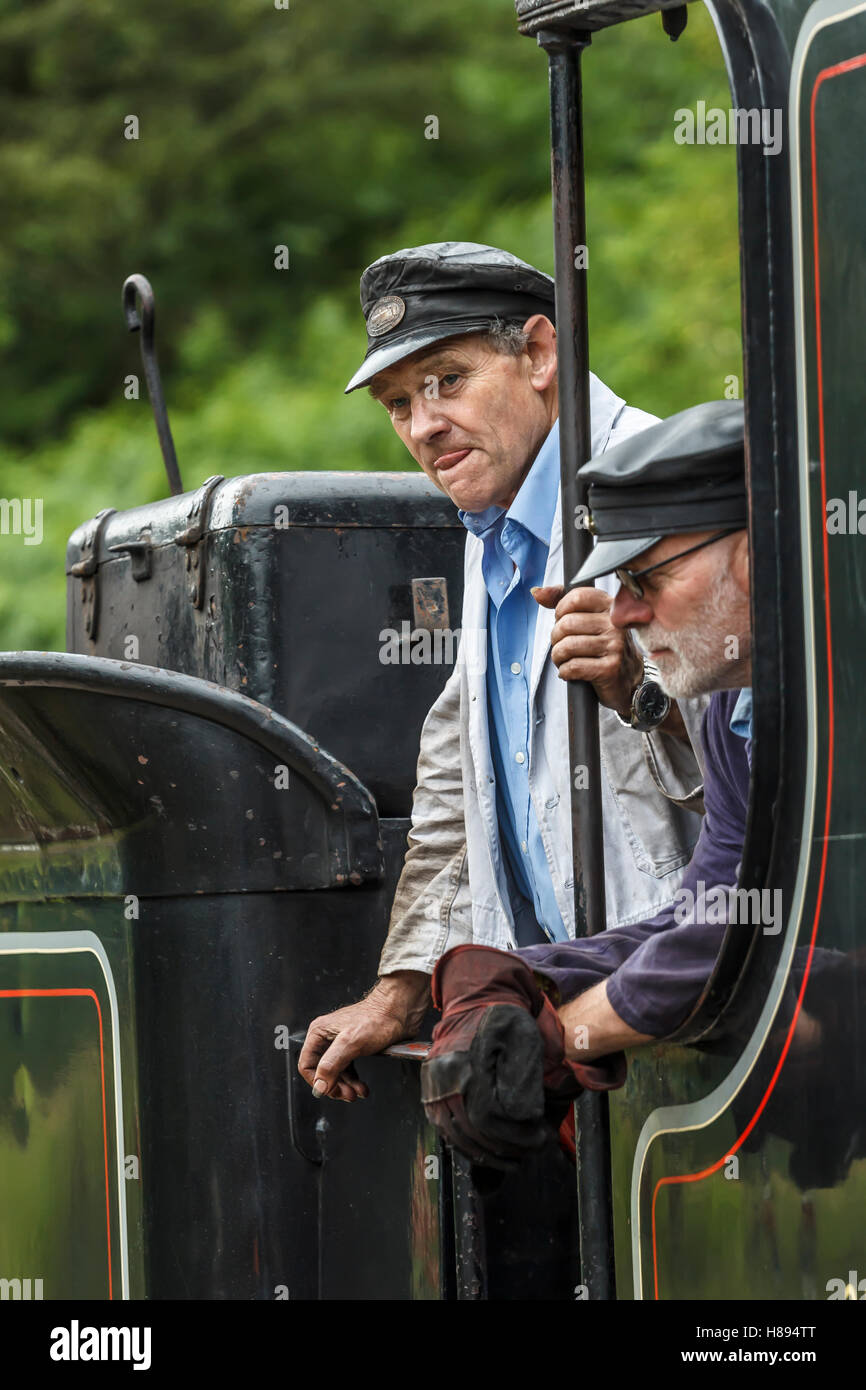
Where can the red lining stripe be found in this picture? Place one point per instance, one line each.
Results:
(847, 66)
(53, 993)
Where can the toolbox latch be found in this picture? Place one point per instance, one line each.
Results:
(140, 553)
(195, 535)
(87, 570)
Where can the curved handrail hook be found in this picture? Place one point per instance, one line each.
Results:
(135, 288)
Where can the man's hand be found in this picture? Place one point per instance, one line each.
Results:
(585, 645)
(392, 1011)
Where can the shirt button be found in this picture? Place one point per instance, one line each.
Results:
(520, 757)
(515, 668)
(523, 846)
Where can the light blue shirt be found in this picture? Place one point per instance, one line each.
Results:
(741, 714)
(516, 545)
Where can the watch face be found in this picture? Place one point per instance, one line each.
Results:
(651, 704)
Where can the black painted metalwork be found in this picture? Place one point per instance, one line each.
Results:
(139, 287)
(674, 22)
(470, 1252)
(187, 773)
(86, 570)
(193, 538)
(585, 15)
(564, 49)
(307, 591)
(758, 70)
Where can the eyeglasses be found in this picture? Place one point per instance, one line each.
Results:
(630, 578)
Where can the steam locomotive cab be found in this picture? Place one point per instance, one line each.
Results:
(206, 805)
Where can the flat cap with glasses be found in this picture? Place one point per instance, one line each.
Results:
(630, 579)
(685, 475)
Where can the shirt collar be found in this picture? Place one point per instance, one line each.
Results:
(535, 503)
(741, 714)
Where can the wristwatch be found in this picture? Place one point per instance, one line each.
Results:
(649, 703)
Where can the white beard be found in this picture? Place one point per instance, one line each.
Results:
(702, 657)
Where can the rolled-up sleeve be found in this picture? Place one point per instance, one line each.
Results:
(656, 970)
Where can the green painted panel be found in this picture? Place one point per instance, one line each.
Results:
(70, 1181)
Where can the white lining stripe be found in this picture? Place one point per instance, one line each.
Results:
(65, 943)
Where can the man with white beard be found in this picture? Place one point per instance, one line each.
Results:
(523, 1032)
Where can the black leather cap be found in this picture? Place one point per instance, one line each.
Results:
(687, 473)
(415, 297)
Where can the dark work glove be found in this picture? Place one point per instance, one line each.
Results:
(496, 1082)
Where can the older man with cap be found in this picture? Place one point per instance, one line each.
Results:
(523, 1032)
(462, 356)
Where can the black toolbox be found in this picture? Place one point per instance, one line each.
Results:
(310, 592)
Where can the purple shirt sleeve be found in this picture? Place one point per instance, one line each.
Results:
(657, 969)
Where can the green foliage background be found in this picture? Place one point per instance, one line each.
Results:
(305, 127)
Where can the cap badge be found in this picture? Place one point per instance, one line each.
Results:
(385, 314)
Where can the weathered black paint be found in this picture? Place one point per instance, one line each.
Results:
(280, 586)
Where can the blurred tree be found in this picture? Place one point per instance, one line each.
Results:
(305, 127)
(255, 127)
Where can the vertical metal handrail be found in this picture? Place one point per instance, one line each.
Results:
(564, 50)
(470, 1248)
